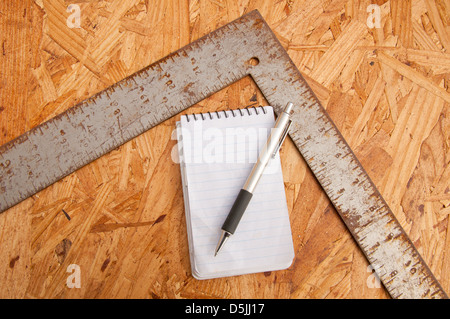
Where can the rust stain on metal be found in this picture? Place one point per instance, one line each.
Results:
(186, 77)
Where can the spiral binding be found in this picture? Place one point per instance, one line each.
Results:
(234, 113)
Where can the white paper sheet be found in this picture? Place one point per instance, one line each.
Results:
(216, 157)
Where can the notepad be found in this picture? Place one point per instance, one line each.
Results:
(217, 152)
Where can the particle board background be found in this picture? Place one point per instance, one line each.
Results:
(121, 218)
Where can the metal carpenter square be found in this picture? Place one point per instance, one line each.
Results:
(110, 118)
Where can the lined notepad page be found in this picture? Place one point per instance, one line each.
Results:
(216, 157)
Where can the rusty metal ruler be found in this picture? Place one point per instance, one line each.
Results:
(243, 47)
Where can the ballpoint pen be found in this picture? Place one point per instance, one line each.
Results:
(269, 151)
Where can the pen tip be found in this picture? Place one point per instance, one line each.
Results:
(223, 238)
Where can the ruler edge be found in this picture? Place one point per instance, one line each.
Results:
(256, 13)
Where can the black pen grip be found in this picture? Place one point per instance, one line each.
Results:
(236, 212)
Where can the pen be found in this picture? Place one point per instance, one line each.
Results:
(269, 151)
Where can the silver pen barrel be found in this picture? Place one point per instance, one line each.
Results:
(265, 155)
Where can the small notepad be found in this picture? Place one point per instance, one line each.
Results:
(217, 152)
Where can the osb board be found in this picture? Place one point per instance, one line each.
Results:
(121, 218)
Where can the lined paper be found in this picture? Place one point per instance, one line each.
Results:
(216, 157)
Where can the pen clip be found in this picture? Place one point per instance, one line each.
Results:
(286, 130)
